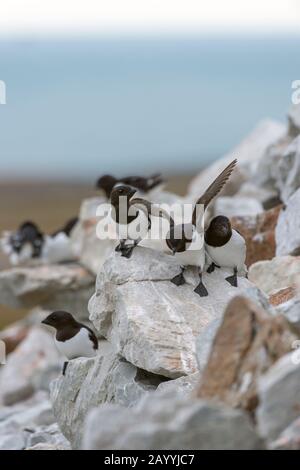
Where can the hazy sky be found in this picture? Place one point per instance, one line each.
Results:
(148, 16)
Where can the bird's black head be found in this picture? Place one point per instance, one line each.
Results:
(28, 232)
(59, 319)
(179, 237)
(219, 231)
(121, 190)
(106, 184)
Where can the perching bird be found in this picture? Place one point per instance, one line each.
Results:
(67, 228)
(131, 224)
(225, 247)
(186, 241)
(24, 244)
(73, 339)
(30, 243)
(107, 182)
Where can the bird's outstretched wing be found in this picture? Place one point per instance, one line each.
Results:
(150, 209)
(213, 189)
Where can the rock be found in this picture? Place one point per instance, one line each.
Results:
(291, 310)
(279, 396)
(13, 335)
(13, 441)
(66, 287)
(29, 423)
(184, 385)
(150, 321)
(205, 340)
(249, 152)
(33, 355)
(287, 231)
(237, 206)
(19, 422)
(294, 120)
(289, 439)
(282, 296)
(287, 171)
(267, 197)
(91, 251)
(167, 421)
(266, 174)
(246, 344)
(259, 233)
(45, 446)
(47, 435)
(277, 274)
(91, 382)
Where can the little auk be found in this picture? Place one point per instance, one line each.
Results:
(24, 244)
(30, 243)
(73, 339)
(186, 241)
(225, 248)
(131, 226)
(107, 182)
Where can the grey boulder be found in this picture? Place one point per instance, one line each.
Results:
(168, 421)
(53, 287)
(151, 322)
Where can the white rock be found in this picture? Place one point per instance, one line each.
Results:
(205, 340)
(67, 287)
(287, 232)
(287, 171)
(289, 439)
(91, 382)
(276, 274)
(169, 421)
(279, 396)
(12, 441)
(237, 206)
(294, 120)
(249, 152)
(45, 446)
(150, 321)
(48, 435)
(91, 251)
(267, 197)
(291, 310)
(22, 420)
(33, 355)
(184, 385)
(265, 175)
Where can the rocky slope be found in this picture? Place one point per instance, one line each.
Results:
(174, 371)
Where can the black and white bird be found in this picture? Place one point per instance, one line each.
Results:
(25, 244)
(225, 248)
(131, 218)
(106, 183)
(185, 241)
(29, 244)
(73, 339)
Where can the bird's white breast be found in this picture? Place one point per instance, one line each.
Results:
(230, 255)
(138, 228)
(57, 249)
(79, 345)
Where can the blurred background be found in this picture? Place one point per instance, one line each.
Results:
(132, 86)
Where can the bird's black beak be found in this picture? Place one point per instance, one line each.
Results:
(46, 322)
